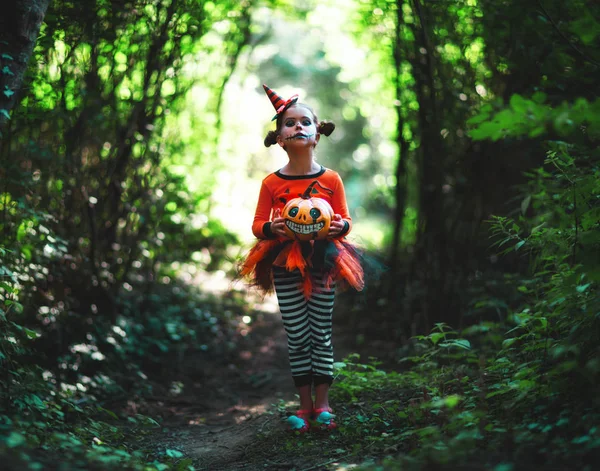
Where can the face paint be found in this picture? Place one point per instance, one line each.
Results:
(299, 136)
(298, 125)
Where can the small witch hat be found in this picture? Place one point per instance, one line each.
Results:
(279, 103)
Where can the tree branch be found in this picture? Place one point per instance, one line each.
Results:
(567, 40)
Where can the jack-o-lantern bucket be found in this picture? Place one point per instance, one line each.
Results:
(306, 217)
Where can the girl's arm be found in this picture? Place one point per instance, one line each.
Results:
(340, 206)
(261, 227)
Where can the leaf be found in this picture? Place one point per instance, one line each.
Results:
(504, 467)
(480, 118)
(587, 28)
(462, 343)
(7, 71)
(4, 113)
(32, 334)
(436, 337)
(6, 56)
(14, 440)
(538, 228)
(590, 219)
(37, 401)
(518, 103)
(497, 393)
(8, 93)
(174, 454)
(18, 306)
(583, 288)
(109, 412)
(8, 288)
(537, 131)
(519, 245)
(452, 401)
(487, 129)
(525, 204)
(185, 465)
(26, 252)
(581, 439)
(362, 419)
(560, 300)
(539, 97)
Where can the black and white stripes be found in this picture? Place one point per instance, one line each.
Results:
(307, 323)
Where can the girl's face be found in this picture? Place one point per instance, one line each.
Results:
(298, 128)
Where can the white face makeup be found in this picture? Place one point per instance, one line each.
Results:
(298, 126)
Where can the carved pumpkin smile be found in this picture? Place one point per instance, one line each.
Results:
(307, 218)
(304, 228)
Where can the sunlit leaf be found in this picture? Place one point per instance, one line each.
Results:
(15, 439)
(583, 288)
(174, 453)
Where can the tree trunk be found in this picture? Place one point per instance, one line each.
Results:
(400, 193)
(432, 250)
(20, 23)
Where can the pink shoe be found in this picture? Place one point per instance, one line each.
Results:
(299, 422)
(324, 417)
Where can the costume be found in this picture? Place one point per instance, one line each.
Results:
(304, 273)
(307, 323)
(304, 269)
(336, 259)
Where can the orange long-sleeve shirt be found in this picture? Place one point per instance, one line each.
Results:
(277, 189)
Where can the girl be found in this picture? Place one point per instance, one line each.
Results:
(303, 273)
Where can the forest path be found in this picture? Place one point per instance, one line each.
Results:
(224, 404)
(216, 423)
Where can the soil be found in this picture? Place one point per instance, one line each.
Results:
(216, 428)
(219, 410)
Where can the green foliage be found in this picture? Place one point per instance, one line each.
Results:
(495, 108)
(57, 414)
(533, 117)
(494, 407)
(453, 66)
(88, 203)
(519, 386)
(95, 227)
(79, 437)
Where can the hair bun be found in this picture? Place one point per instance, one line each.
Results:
(271, 138)
(325, 127)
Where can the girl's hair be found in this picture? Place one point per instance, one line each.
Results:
(323, 127)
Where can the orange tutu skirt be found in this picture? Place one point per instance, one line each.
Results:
(338, 260)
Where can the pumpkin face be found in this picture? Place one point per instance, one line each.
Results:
(307, 218)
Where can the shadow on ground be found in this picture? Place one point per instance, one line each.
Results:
(222, 407)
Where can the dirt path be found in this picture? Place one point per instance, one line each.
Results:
(223, 406)
(225, 402)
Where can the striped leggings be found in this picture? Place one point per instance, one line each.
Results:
(307, 323)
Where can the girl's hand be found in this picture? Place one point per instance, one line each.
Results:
(337, 225)
(278, 224)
